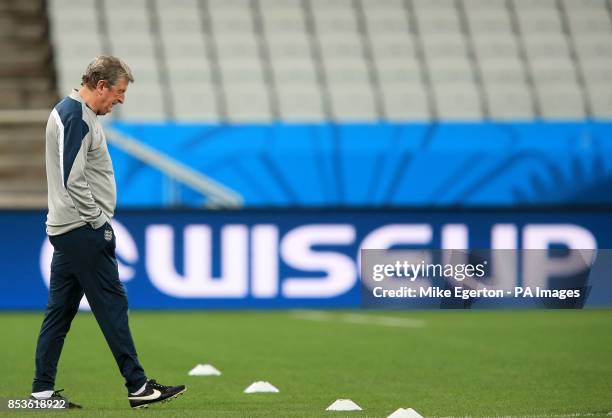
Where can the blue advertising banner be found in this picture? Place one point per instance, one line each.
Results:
(286, 259)
(445, 164)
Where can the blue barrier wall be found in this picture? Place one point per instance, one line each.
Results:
(379, 164)
(281, 259)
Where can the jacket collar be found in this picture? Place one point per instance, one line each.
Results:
(76, 96)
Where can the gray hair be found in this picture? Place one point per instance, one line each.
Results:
(106, 67)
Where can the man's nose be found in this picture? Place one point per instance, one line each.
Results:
(121, 98)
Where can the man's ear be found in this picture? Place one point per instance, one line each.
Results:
(100, 85)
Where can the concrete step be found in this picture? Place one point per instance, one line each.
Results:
(18, 133)
(14, 51)
(26, 83)
(28, 100)
(29, 149)
(44, 69)
(25, 59)
(15, 167)
(23, 201)
(21, 8)
(20, 27)
(38, 185)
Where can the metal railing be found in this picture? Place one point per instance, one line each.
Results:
(217, 195)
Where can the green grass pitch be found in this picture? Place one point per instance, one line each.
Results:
(458, 363)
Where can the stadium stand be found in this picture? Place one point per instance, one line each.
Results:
(26, 85)
(347, 60)
(332, 62)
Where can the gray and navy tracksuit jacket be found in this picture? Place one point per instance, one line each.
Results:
(81, 197)
(80, 178)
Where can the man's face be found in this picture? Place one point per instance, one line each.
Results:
(111, 95)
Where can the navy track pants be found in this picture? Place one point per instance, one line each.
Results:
(84, 262)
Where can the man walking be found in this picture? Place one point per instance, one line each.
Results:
(82, 198)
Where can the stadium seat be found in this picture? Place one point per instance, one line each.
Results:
(458, 101)
(561, 101)
(301, 104)
(195, 101)
(601, 101)
(271, 49)
(406, 101)
(510, 102)
(145, 103)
